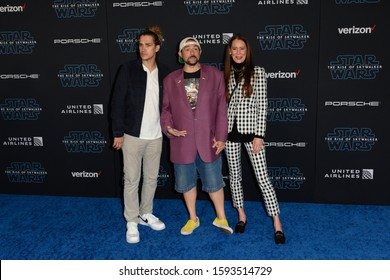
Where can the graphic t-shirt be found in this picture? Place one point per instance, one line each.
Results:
(191, 85)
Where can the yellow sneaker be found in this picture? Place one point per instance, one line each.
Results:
(190, 226)
(223, 225)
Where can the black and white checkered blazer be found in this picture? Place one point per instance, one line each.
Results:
(250, 112)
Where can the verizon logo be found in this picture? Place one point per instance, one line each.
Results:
(282, 75)
(356, 30)
(86, 174)
(12, 9)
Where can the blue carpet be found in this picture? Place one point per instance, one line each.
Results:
(64, 228)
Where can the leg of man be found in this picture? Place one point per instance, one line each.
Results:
(151, 167)
(212, 183)
(218, 199)
(132, 161)
(190, 200)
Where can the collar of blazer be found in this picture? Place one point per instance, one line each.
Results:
(203, 75)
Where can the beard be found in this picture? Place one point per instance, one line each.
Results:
(193, 62)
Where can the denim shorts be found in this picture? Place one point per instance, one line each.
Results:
(186, 175)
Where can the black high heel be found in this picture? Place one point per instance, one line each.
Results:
(240, 227)
(279, 237)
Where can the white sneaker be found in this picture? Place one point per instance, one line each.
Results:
(151, 221)
(132, 234)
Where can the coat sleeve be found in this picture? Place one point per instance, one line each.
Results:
(260, 90)
(118, 102)
(166, 113)
(221, 118)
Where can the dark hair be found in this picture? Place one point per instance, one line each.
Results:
(155, 32)
(247, 89)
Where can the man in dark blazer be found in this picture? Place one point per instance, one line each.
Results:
(194, 117)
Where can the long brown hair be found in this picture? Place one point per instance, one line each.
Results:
(248, 67)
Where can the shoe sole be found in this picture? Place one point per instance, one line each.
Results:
(148, 225)
(132, 240)
(226, 230)
(189, 232)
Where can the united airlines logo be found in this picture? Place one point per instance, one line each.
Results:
(137, 4)
(84, 142)
(356, 30)
(283, 37)
(213, 38)
(127, 41)
(208, 7)
(35, 141)
(286, 178)
(283, 75)
(80, 75)
(285, 110)
(83, 109)
(13, 9)
(16, 42)
(163, 177)
(26, 172)
(20, 109)
(345, 139)
(354, 67)
(75, 8)
(342, 173)
(338, 2)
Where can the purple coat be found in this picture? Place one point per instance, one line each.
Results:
(208, 121)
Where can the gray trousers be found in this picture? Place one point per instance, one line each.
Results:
(140, 155)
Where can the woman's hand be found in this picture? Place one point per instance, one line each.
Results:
(257, 145)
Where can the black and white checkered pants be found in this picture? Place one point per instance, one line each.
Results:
(259, 164)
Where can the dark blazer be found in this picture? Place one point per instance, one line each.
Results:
(128, 100)
(209, 120)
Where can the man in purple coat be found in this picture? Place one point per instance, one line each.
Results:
(194, 117)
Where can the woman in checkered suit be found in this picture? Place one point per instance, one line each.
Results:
(246, 93)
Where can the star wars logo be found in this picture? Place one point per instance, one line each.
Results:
(285, 110)
(208, 7)
(80, 75)
(354, 67)
(26, 172)
(75, 8)
(16, 42)
(286, 178)
(283, 37)
(345, 139)
(128, 40)
(20, 109)
(84, 142)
